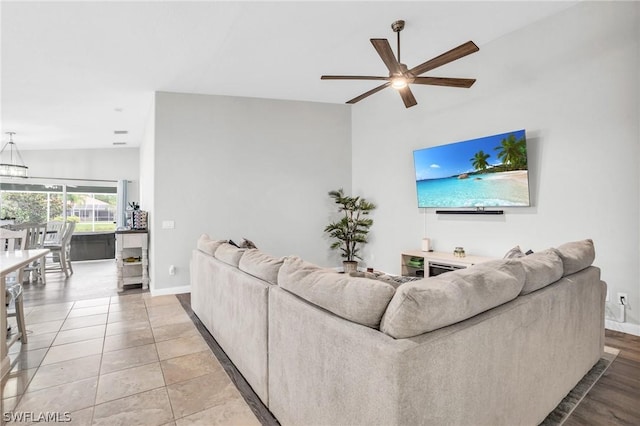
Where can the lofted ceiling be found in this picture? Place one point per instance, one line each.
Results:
(72, 73)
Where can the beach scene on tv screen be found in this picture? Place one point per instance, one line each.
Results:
(484, 172)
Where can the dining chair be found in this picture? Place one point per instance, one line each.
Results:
(11, 241)
(53, 232)
(61, 251)
(36, 234)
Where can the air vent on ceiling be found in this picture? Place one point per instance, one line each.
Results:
(120, 132)
(119, 143)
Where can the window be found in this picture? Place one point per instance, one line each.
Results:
(93, 212)
(93, 208)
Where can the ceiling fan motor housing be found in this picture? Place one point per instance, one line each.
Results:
(397, 26)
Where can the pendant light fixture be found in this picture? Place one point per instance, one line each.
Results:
(12, 168)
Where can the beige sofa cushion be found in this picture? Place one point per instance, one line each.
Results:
(541, 269)
(261, 265)
(577, 255)
(207, 245)
(360, 300)
(229, 254)
(432, 303)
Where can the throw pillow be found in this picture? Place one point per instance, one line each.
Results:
(261, 265)
(360, 300)
(206, 245)
(577, 255)
(432, 303)
(248, 244)
(514, 253)
(229, 254)
(540, 270)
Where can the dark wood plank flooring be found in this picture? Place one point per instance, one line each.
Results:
(259, 409)
(614, 399)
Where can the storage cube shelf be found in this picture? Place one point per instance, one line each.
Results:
(132, 244)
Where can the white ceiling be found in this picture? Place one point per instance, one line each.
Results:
(74, 72)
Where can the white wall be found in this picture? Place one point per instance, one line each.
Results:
(572, 81)
(101, 164)
(244, 167)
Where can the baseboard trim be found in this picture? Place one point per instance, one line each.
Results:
(170, 290)
(624, 327)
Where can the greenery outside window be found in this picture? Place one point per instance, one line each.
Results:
(93, 208)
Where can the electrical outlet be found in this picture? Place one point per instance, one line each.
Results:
(623, 299)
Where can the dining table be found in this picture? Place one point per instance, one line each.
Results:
(12, 261)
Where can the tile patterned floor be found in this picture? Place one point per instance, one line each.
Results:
(119, 360)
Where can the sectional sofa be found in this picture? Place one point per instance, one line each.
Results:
(500, 343)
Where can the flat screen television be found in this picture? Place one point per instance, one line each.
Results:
(485, 172)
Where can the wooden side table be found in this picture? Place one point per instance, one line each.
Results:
(433, 260)
(132, 258)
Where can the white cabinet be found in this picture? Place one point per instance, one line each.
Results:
(132, 258)
(430, 263)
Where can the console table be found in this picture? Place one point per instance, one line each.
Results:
(130, 245)
(436, 262)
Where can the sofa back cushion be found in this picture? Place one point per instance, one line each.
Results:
(229, 254)
(576, 255)
(541, 269)
(358, 299)
(432, 303)
(206, 245)
(261, 265)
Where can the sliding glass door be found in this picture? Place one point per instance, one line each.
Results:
(92, 207)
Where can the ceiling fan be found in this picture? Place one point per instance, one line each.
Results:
(400, 77)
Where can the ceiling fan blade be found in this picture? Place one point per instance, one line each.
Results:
(407, 97)
(384, 50)
(442, 81)
(450, 56)
(369, 93)
(352, 77)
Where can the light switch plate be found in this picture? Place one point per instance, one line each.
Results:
(168, 224)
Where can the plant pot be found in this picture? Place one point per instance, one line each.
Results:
(350, 266)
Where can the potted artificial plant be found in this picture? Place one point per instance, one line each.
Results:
(350, 232)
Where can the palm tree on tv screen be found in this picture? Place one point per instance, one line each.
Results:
(479, 160)
(513, 152)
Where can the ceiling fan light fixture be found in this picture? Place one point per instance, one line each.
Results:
(399, 83)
